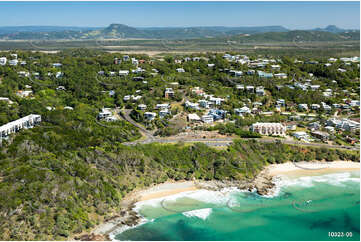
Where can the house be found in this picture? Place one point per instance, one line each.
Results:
(123, 73)
(13, 62)
(142, 107)
(260, 91)
(251, 72)
(314, 126)
(26, 122)
(236, 73)
(203, 103)
(135, 61)
(314, 87)
(250, 88)
(59, 74)
(138, 78)
(125, 57)
(281, 75)
(341, 70)
(303, 107)
(117, 61)
(242, 111)
(193, 117)
(189, 104)
(162, 106)
(321, 135)
(197, 90)
(138, 70)
(269, 128)
(315, 106)
(149, 116)
(57, 64)
(23, 93)
(168, 93)
(207, 119)
(281, 102)
(61, 88)
(330, 129)
(6, 99)
(240, 87)
(216, 100)
(24, 73)
(354, 103)
(217, 114)
(300, 135)
(210, 65)
(180, 70)
(275, 67)
(3, 61)
(106, 112)
(257, 104)
(126, 98)
(163, 112)
(343, 124)
(326, 107)
(68, 108)
(263, 74)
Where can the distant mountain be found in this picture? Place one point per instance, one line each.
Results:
(124, 31)
(296, 36)
(333, 29)
(121, 31)
(36, 29)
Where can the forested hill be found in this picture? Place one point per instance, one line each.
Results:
(121, 31)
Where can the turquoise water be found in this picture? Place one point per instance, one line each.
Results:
(303, 208)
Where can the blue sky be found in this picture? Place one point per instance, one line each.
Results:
(293, 15)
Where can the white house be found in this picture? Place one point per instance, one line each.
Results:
(123, 72)
(303, 106)
(149, 116)
(281, 75)
(193, 117)
(242, 111)
(13, 62)
(207, 118)
(15, 126)
(180, 70)
(3, 61)
(269, 128)
(300, 135)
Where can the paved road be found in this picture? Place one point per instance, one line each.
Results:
(217, 142)
(125, 114)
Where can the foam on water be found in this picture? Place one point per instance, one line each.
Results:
(200, 213)
(335, 179)
(202, 195)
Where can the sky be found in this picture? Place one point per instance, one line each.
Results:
(292, 15)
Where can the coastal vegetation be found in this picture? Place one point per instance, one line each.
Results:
(73, 170)
(55, 184)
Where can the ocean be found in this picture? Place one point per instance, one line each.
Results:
(324, 206)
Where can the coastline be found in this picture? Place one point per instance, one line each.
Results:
(311, 167)
(263, 183)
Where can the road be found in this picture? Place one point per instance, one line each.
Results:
(125, 114)
(216, 142)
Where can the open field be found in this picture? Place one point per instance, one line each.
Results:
(157, 47)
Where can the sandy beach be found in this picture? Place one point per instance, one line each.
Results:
(166, 189)
(311, 167)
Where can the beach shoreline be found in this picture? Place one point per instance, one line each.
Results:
(263, 182)
(311, 167)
